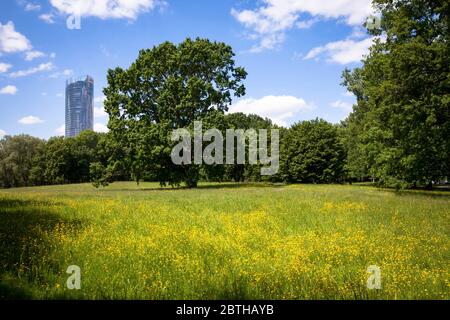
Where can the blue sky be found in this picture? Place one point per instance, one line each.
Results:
(293, 50)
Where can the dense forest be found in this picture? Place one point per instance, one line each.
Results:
(397, 135)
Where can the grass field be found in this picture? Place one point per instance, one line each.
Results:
(226, 241)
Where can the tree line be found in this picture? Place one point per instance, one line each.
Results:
(397, 135)
(95, 157)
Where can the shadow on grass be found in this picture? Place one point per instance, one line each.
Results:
(8, 291)
(241, 185)
(436, 193)
(441, 192)
(211, 186)
(24, 247)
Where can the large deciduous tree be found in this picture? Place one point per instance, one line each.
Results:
(168, 87)
(400, 127)
(16, 159)
(241, 121)
(312, 152)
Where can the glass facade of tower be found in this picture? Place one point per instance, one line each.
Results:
(79, 105)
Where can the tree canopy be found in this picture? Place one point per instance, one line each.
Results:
(311, 152)
(168, 87)
(399, 132)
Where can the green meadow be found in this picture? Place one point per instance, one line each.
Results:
(224, 241)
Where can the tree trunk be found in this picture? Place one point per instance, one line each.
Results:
(191, 183)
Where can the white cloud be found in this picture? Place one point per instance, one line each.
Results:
(61, 131)
(339, 104)
(12, 90)
(4, 67)
(100, 112)
(64, 73)
(358, 32)
(11, 40)
(47, 18)
(32, 7)
(59, 95)
(41, 68)
(99, 99)
(2, 133)
(342, 52)
(270, 41)
(100, 127)
(105, 9)
(273, 18)
(31, 55)
(306, 24)
(280, 109)
(30, 120)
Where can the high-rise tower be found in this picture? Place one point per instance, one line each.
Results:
(79, 105)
